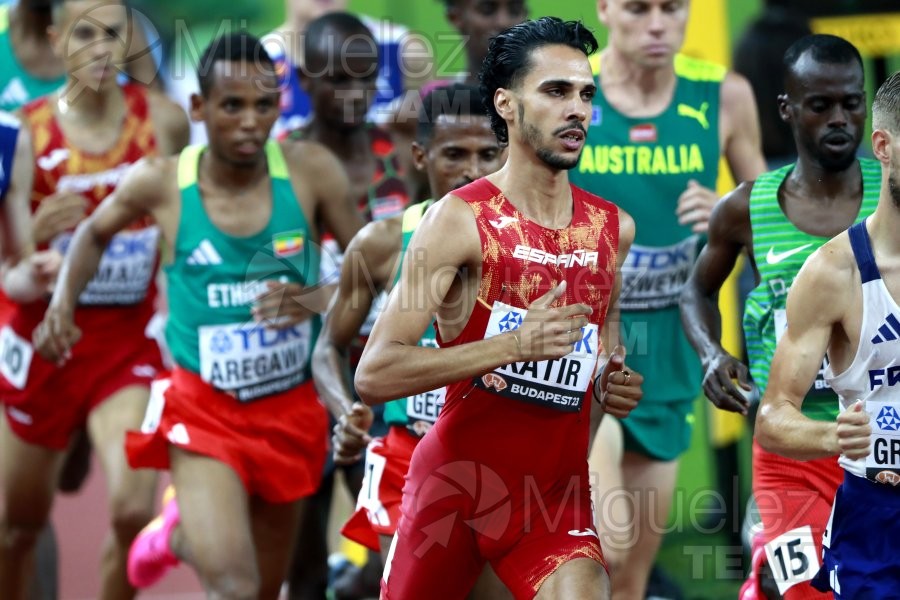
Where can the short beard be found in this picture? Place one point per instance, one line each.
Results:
(533, 138)
(555, 161)
(894, 189)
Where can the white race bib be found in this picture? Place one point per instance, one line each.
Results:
(254, 361)
(883, 462)
(155, 405)
(793, 558)
(15, 357)
(369, 497)
(126, 267)
(559, 383)
(653, 278)
(426, 406)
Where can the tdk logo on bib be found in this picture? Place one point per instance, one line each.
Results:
(652, 277)
(251, 338)
(251, 360)
(128, 244)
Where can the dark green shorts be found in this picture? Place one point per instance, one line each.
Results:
(659, 430)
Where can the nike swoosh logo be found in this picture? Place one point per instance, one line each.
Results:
(774, 258)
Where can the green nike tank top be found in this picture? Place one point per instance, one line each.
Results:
(643, 165)
(18, 86)
(419, 412)
(215, 278)
(780, 249)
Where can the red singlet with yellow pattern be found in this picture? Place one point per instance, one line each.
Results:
(545, 400)
(502, 476)
(119, 299)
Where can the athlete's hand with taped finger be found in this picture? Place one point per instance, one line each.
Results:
(550, 332)
(283, 305)
(718, 383)
(854, 433)
(57, 213)
(695, 205)
(618, 389)
(54, 337)
(351, 434)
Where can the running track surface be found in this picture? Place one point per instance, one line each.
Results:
(81, 523)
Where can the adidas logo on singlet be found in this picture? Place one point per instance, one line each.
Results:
(888, 331)
(14, 93)
(204, 254)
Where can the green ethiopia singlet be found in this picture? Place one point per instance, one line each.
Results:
(643, 165)
(780, 249)
(215, 278)
(419, 412)
(18, 86)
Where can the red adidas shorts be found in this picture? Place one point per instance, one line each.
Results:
(458, 515)
(277, 445)
(45, 404)
(794, 501)
(378, 506)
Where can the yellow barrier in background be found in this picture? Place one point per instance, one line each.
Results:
(707, 38)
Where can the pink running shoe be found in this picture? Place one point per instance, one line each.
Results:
(150, 556)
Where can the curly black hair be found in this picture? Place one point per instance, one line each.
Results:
(507, 60)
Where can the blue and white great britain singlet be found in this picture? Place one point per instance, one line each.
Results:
(874, 374)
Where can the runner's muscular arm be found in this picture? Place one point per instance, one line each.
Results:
(742, 145)
(393, 365)
(170, 123)
(729, 234)
(136, 196)
(816, 303)
(368, 264)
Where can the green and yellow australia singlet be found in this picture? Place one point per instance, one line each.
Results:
(780, 249)
(215, 278)
(643, 165)
(419, 412)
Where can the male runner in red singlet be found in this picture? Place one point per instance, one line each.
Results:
(84, 138)
(240, 425)
(520, 269)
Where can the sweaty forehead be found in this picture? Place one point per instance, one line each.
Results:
(810, 76)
